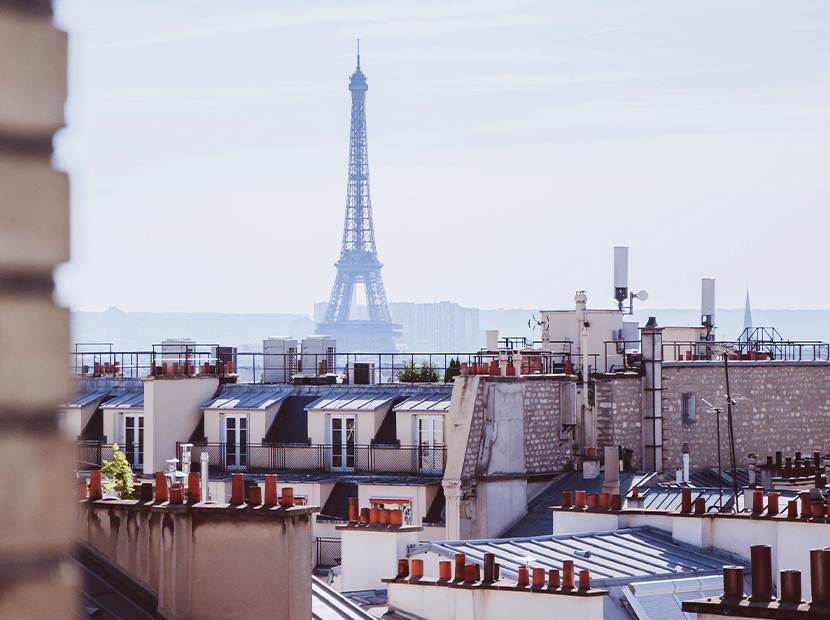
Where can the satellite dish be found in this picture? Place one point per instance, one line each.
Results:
(642, 295)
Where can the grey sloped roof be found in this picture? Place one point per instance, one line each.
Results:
(438, 402)
(614, 558)
(327, 604)
(538, 520)
(353, 401)
(669, 497)
(126, 400)
(662, 600)
(84, 399)
(248, 397)
(109, 593)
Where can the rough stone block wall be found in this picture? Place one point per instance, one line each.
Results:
(779, 407)
(36, 460)
(476, 433)
(545, 452)
(619, 406)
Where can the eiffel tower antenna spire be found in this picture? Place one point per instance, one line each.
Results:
(359, 264)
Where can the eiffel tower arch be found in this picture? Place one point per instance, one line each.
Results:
(358, 263)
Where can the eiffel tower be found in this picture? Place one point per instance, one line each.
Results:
(359, 262)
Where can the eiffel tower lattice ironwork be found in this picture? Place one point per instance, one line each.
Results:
(359, 262)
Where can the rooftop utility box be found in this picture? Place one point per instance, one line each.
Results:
(177, 349)
(318, 355)
(279, 359)
(361, 373)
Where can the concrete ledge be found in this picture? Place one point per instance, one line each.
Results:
(744, 608)
(501, 584)
(763, 516)
(373, 527)
(243, 511)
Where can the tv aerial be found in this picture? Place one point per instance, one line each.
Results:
(534, 323)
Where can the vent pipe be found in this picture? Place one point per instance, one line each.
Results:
(203, 462)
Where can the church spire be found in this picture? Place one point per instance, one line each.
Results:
(747, 316)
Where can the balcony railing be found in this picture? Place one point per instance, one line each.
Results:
(352, 368)
(328, 552)
(92, 454)
(369, 459)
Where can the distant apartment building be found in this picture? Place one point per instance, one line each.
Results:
(436, 327)
(441, 326)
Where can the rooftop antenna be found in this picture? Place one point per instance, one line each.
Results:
(358, 53)
(621, 292)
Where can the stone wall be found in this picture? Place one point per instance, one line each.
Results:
(780, 406)
(544, 449)
(514, 433)
(619, 406)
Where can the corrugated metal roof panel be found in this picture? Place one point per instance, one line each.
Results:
(438, 402)
(613, 558)
(353, 401)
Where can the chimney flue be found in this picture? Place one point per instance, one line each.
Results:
(733, 582)
(790, 586)
(761, 557)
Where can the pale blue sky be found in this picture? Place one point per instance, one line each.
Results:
(511, 146)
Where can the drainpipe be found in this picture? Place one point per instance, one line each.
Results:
(589, 423)
(203, 461)
(652, 348)
(686, 463)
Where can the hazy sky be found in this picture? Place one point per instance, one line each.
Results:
(511, 146)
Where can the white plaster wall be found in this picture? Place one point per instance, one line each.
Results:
(213, 427)
(457, 424)
(563, 326)
(503, 449)
(498, 506)
(434, 533)
(443, 603)
(256, 425)
(73, 423)
(317, 427)
(578, 522)
(372, 555)
(405, 428)
(113, 423)
(413, 493)
(172, 409)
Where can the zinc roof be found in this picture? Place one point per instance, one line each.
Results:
(248, 397)
(353, 401)
(429, 402)
(614, 558)
(126, 400)
(328, 604)
(84, 399)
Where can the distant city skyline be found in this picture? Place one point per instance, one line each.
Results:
(512, 146)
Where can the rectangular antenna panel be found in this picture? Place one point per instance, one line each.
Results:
(707, 304)
(621, 267)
